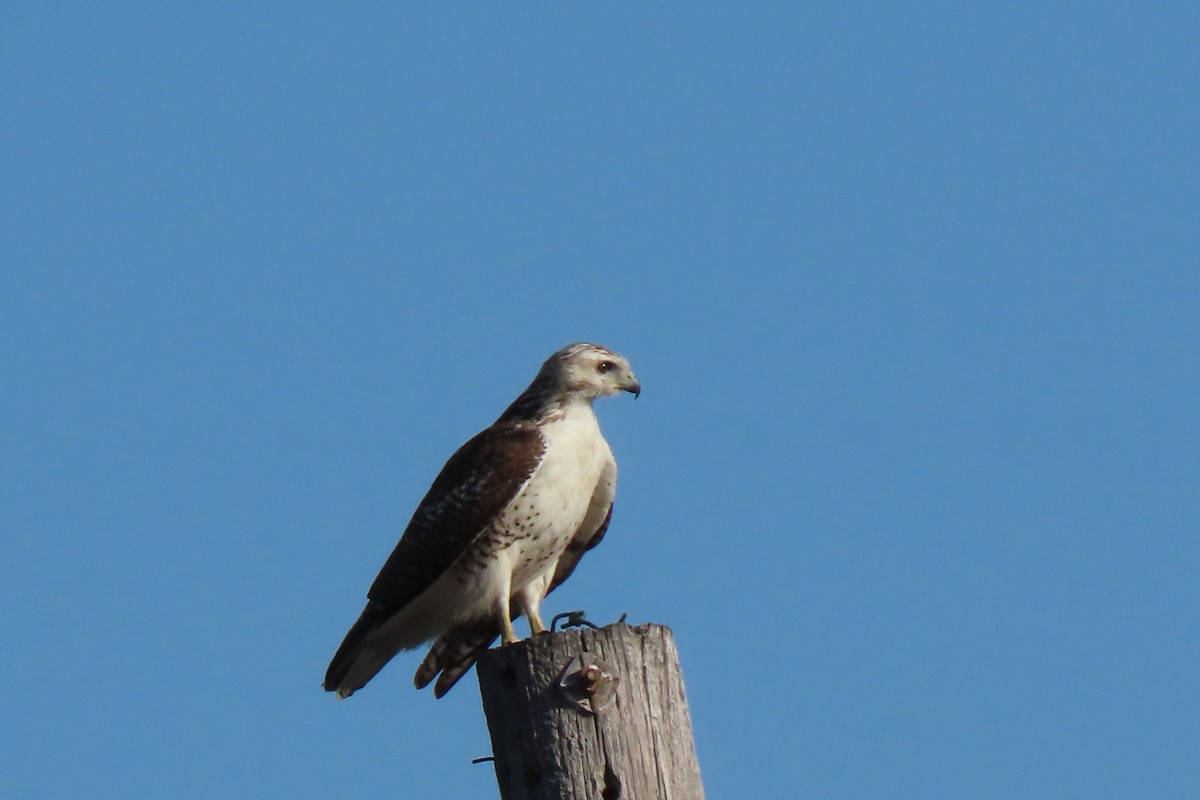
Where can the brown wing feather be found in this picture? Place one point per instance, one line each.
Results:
(476, 484)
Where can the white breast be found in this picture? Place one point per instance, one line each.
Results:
(559, 492)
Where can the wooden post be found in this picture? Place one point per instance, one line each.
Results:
(590, 714)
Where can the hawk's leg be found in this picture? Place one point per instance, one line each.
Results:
(507, 634)
(535, 623)
(530, 601)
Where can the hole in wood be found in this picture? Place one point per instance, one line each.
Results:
(509, 676)
(612, 785)
(532, 778)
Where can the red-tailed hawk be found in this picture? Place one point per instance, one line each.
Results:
(505, 522)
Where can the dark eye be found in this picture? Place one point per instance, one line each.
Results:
(605, 366)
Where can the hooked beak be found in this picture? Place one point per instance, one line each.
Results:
(632, 385)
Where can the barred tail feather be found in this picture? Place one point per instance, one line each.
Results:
(455, 652)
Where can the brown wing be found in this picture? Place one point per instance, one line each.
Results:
(476, 484)
(458, 649)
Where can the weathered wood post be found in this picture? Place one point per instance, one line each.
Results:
(590, 714)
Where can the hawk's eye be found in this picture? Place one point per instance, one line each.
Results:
(605, 366)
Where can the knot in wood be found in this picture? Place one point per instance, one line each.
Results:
(589, 682)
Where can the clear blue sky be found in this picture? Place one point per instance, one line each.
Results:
(913, 292)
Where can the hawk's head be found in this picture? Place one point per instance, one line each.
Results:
(590, 371)
(578, 372)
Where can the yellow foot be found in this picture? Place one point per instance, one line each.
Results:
(507, 634)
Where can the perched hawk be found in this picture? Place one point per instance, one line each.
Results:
(505, 522)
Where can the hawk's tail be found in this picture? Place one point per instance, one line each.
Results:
(455, 652)
(356, 662)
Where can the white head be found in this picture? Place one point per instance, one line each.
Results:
(590, 370)
(578, 372)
